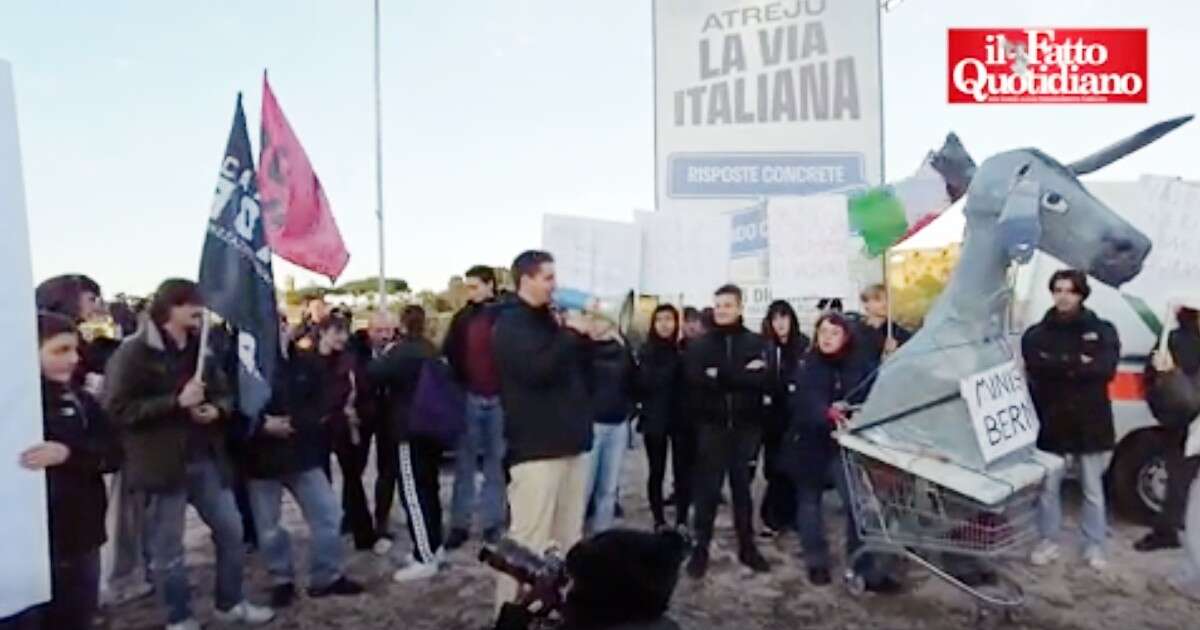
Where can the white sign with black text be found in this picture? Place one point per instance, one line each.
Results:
(1002, 411)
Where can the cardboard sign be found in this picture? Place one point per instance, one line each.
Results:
(1002, 411)
(25, 570)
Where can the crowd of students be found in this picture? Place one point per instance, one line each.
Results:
(551, 401)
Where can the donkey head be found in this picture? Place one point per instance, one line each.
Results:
(1038, 203)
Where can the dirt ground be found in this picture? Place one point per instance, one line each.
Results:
(1132, 593)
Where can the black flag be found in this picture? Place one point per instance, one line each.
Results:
(235, 271)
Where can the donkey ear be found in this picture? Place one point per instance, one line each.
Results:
(1019, 227)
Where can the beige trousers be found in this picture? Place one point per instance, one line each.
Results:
(548, 507)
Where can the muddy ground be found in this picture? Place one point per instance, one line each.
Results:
(1131, 594)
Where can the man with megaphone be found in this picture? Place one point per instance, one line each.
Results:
(548, 415)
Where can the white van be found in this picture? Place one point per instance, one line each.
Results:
(1137, 473)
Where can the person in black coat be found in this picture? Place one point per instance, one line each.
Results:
(287, 449)
(399, 371)
(547, 412)
(1183, 355)
(879, 335)
(726, 375)
(786, 346)
(659, 387)
(1071, 356)
(610, 372)
(79, 448)
(832, 379)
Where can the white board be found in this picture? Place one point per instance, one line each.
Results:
(600, 257)
(25, 570)
(810, 253)
(1002, 411)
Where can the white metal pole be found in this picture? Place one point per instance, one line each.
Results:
(379, 170)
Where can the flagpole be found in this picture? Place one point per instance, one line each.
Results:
(379, 170)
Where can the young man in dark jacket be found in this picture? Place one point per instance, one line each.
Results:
(468, 347)
(174, 438)
(1071, 356)
(288, 451)
(78, 448)
(548, 415)
(726, 375)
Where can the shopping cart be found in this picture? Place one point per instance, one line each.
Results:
(958, 539)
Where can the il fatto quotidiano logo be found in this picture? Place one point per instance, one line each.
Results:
(1047, 65)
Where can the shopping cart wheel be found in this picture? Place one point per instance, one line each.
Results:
(990, 618)
(855, 583)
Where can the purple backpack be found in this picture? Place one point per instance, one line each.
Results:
(439, 405)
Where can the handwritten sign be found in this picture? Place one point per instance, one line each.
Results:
(810, 247)
(599, 257)
(1001, 410)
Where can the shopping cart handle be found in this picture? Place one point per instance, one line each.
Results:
(905, 413)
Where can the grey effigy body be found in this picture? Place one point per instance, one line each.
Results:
(1018, 201)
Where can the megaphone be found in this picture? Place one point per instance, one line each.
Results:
(616, 309)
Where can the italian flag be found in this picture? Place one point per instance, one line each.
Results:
(886, 215)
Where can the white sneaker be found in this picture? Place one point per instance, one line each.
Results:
(1095, 559)
(245, 613)
(1045, 553)
(186, 624)
(439, 557)
(416, 571)
(383, 546)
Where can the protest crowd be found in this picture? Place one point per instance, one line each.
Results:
(534, 408)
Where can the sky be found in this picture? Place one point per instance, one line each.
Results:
(494, 114)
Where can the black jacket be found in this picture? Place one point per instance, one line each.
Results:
(1174, 398)
(658, 385)
(821, 380)
(399, 370)
(297, 392)
(782, 362)
(611, 382)
(872, 340)
(1071, 395)
(143, 382)
(77, 497)
(734, 397)
(547, 409)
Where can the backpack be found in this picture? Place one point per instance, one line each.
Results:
(439, 405)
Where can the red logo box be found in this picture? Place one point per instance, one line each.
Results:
(1046, 65)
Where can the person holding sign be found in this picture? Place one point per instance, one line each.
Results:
(1173, 394)
(881, 336)
(172, 416)
(78, 448)
(1070, 357)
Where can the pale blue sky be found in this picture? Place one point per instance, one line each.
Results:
(494, 114)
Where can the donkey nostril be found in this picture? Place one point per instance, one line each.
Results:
(1120, 245)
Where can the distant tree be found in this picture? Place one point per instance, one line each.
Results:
(299, 296)
(371, 285)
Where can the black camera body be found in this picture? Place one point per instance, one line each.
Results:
(544, 575)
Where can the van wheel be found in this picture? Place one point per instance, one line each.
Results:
(1137, 478)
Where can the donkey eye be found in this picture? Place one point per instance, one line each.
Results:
(1054, 202)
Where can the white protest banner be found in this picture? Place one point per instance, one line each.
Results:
(762, 98)
(1168, 213)
(810, 249)
(600, 257)
(1001, 410)
(25, 571)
